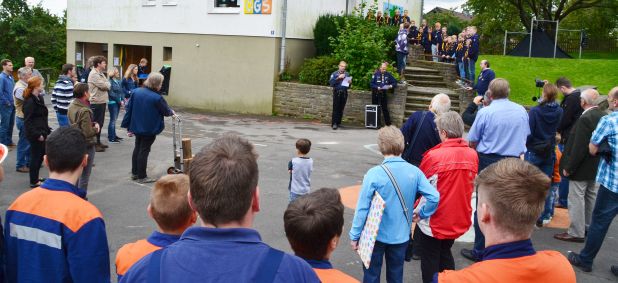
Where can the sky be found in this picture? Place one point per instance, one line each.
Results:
(58, 6)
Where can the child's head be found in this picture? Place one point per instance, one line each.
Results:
(169, 204)
(303, 146)
(80, 90)
(314, 223)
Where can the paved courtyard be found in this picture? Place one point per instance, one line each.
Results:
(341, 158)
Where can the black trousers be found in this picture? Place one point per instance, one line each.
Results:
(37, 151)
(98, 115)
(378, 97)
(436, 256)
(340, 97)
(140, 155)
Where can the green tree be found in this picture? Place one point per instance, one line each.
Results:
(32, 31)
(447, 18)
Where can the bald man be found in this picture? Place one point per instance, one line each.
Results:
(581, 168)
(29, 62)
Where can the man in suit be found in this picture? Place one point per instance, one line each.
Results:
(581, 168)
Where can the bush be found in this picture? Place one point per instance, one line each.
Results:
(316, 71)
(325, 28)
(389, 33)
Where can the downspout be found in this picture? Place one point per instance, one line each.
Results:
(284, 15)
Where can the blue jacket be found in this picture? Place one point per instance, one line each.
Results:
(335, 82)
(6, 89)
(219, 255)
(128, 85)
(544, 120)
(379, 80)
(145, 112)
(473, 52)
(427, 138)
(53, 235)
(485, 77)
(394, 228)
(115, 92)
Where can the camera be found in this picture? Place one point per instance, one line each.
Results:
(539, 83)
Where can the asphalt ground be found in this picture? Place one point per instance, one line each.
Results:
(341, 159)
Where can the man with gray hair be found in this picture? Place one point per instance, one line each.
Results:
(455, 165)
(499, 131)
(23, 146)
(581, 168)
(29, 62)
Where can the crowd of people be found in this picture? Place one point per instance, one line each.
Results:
(81, 103)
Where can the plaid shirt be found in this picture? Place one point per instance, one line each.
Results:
(608, 129)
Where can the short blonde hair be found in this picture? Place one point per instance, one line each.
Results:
(515, 190)
(390, 141)
(169, 203)
(499, 88)
(154, 81)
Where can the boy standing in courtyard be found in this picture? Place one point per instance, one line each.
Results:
(300, 168)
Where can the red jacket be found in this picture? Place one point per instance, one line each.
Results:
(451, 167)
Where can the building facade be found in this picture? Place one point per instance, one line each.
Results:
(224, 54)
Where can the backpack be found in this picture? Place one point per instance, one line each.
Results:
(401, 42)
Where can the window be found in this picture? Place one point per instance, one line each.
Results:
(226, 4)
(149, 2)
(167, 54)
(170, 3)
(223, 6)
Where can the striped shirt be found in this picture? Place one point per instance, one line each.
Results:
(607, 129)
(62, 94)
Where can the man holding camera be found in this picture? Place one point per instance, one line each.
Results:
(340, 86)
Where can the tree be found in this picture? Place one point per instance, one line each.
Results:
(447, 18)
(32, 31)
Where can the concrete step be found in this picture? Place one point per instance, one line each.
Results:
(417, 77)
(431, 91)
(427, 83)
(427, 100)
(420, 107)
(422, 70)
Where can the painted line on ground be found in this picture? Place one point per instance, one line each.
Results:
(373, 148)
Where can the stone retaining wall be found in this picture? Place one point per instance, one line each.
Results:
(315, 102)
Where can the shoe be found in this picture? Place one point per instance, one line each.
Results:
(467, 253)
(23, 169)
(547, 221)
(416, 257)
(99, 148)
(146, 180)
(539, 224)
(119, 138)
(568, 238)
(12, 145)
(334, 127)
(340, 126)
(114, 141)
(575, 261)
(37, 184)
(103, 145)
(614, 270)
(560, 206)
(133, 177)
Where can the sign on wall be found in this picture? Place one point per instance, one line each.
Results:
(258, 6)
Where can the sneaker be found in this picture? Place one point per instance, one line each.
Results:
(133, 177)
(114, 141)
(12, 145)
(547, 221)
(119, 139)
(103, 145)
(335, 127)
(614, 270)
(575, 261)
(146, 180)
(23, 169)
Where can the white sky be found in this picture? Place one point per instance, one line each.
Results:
(58, 6)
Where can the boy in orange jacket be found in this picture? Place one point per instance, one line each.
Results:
(313, 225)
(169, 207)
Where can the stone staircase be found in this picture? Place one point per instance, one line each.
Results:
(423, 84)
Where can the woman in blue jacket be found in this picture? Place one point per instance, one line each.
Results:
(115, 99)
(129, 82)
(544, 119)
(144, 118)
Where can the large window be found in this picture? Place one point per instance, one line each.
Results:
(224, 6)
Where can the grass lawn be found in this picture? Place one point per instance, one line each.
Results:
(521, 72)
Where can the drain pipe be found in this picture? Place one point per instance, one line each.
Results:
(284, 16)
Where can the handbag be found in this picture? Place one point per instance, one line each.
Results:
(403, 206)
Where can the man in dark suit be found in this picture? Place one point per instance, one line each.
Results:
(581, 168)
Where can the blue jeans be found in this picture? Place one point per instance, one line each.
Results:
(394, 254)
(605, 210)
(7, 122)
(294, 196)
(563, 190)
(63, 119)
(401, 62)
(471, 70)
(462, 70)
(113, 116)
(546, 165)
(23, 145)
(479, 239)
